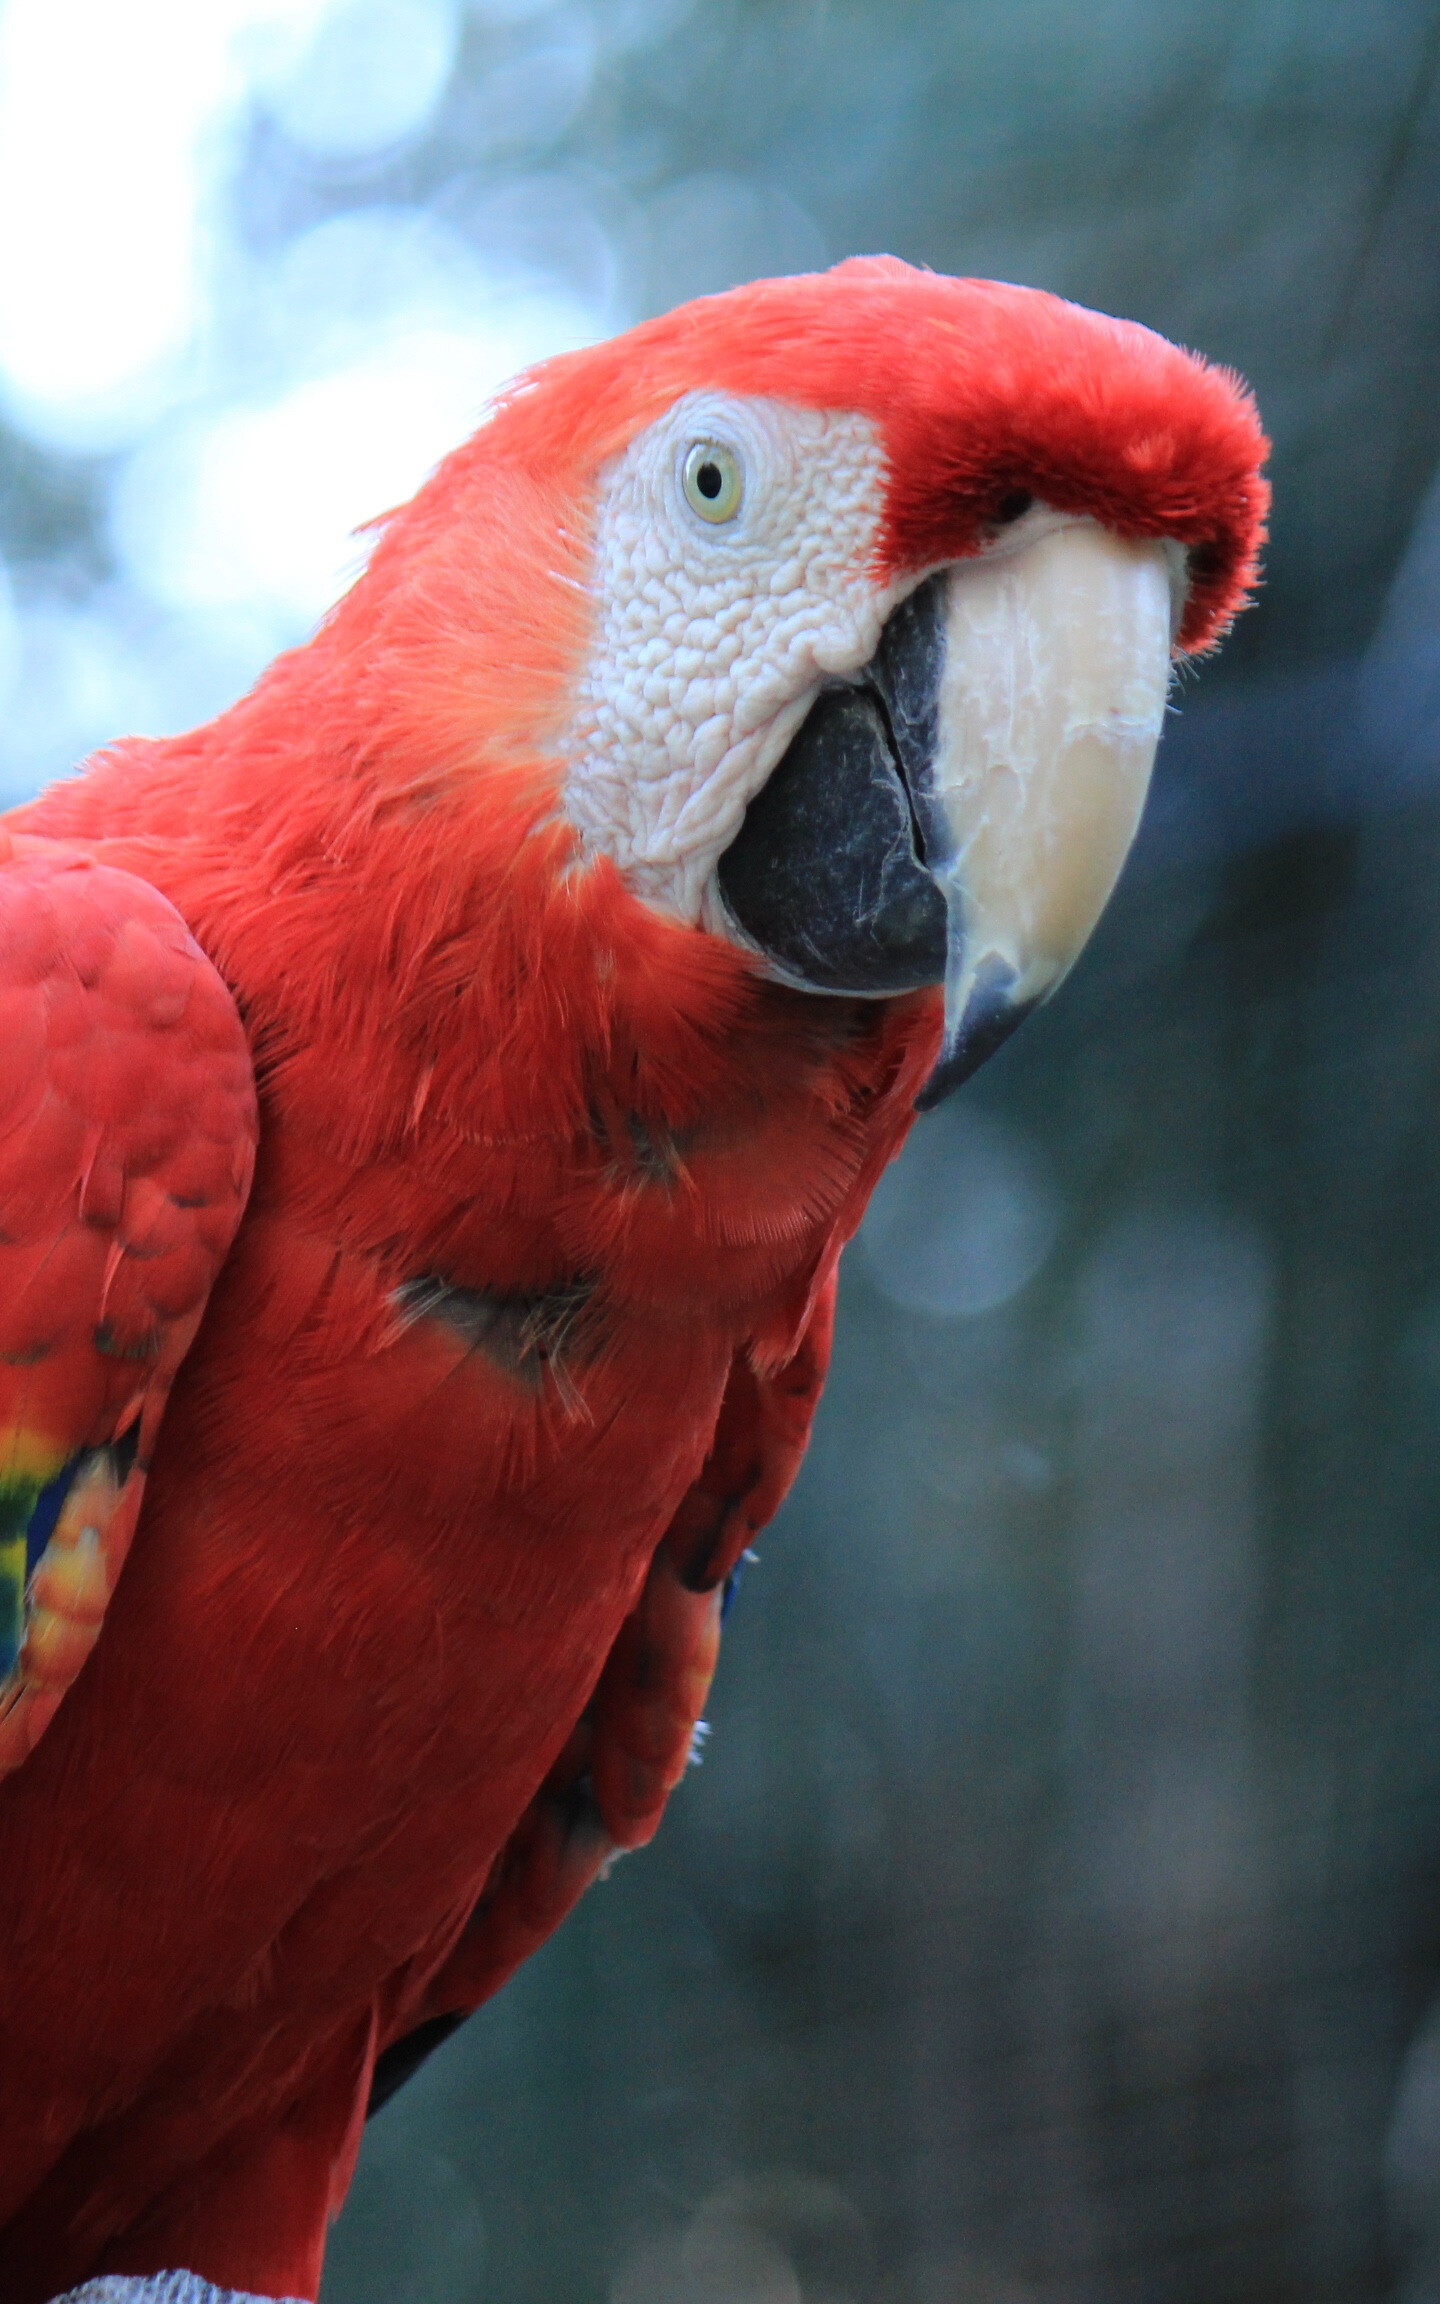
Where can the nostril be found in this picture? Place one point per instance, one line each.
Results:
(1013, 505)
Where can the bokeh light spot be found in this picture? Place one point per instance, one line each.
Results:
(369, 77)
(963, 1220)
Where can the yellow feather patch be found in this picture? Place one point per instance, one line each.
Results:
(12, 1599)
(29, 1459)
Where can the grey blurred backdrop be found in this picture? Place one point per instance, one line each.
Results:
(1055, 1918)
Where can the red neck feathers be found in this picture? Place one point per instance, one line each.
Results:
(471, 1041)
(371, 847)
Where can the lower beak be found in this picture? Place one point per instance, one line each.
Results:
(961, 813)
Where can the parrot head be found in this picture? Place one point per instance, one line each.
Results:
(865, 590)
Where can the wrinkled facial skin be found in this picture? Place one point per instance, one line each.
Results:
(870, 795)
(711, 641)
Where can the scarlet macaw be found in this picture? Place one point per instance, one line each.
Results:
(559, 936)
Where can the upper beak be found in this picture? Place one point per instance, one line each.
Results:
(961, 814)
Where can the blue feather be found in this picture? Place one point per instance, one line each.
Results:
(46, 1512)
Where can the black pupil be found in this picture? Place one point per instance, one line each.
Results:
(1013, 505)
(709, 480)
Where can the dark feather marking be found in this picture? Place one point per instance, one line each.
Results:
(657, 1155)
(659, 1152)
(644, 1151)
(123, 1452)
(524, 1335)
(109, 1341)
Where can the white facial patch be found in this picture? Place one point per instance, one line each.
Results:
(713, 634)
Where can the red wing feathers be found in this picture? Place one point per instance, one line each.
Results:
(607, 1790)
(127, 1139)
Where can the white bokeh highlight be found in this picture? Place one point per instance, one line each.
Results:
(254, 409)
(240, 396)
(104, 173)
(366, 75)
(389, 339)
(964, 1220)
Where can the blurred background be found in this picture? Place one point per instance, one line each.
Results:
(1055, 1918)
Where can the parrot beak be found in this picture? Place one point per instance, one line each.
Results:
(960, 814)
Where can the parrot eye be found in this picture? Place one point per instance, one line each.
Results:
(711, 481)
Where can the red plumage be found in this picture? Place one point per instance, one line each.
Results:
(318, 1782)
(127, 1136)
